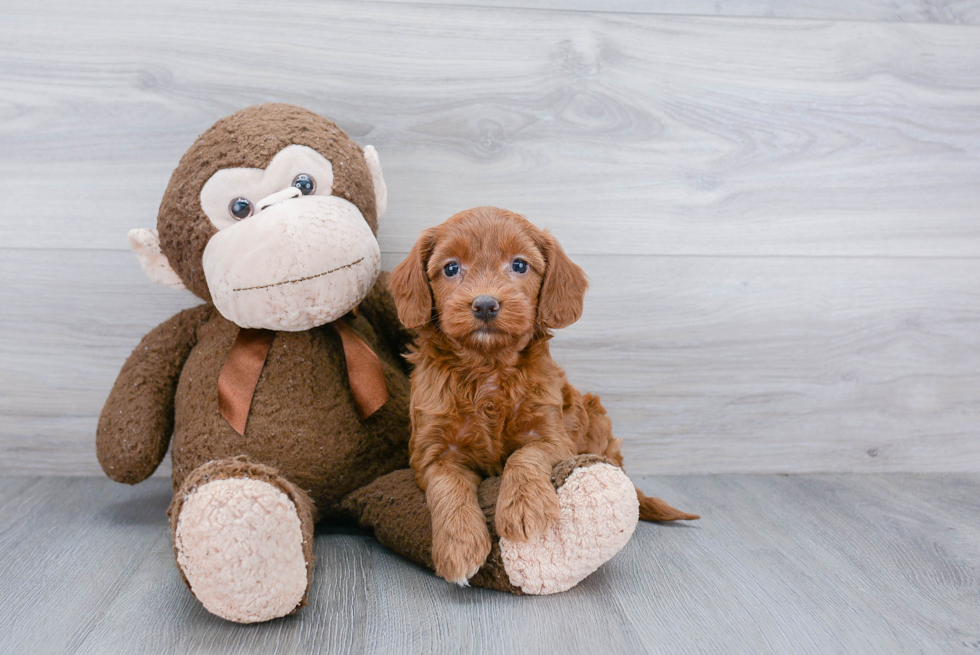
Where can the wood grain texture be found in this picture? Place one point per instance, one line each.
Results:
(779, 215)
(705, 364)
(805, 564)
(956, 12)
(629, 134)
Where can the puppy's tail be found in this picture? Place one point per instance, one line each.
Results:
(600, 432)
(654, 509)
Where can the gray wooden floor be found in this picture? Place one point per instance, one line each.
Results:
(807, 563)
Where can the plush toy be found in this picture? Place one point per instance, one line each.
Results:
(286, 395)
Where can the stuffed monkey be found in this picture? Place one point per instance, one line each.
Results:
(284, 397)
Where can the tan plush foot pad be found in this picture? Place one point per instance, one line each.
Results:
(240, 546)
(599, 512)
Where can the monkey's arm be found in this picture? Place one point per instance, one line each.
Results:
(379, 308)
(138, 417)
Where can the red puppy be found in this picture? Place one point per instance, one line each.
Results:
(484, 290)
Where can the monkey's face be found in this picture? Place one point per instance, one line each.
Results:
(271, 215)
(287, 255)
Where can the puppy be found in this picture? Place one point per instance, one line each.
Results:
(484, 290)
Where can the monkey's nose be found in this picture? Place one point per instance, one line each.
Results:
(278, 196)
(485, 307)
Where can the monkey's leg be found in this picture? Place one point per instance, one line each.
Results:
(394, 507)
(599, 511)
(243, 538)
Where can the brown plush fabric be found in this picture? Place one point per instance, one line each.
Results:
(303, 433)
(394, 508)
(242, 467)
(302, 420)
(563, 469)
(379, 309)
(250, 138)
(492, 574)
(138, 418)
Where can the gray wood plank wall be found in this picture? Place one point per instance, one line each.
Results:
(778, 203)
(956, 12)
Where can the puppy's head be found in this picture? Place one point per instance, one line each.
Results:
(489, 278)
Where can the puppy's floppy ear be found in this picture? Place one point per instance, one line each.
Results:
(563, 287)
(410, 283)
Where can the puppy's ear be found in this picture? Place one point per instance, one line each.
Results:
(410, 283)
(563, 287)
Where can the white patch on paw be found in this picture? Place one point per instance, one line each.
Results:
(599, 511)
(240, 545)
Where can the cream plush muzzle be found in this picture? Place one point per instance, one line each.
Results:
(296, 264)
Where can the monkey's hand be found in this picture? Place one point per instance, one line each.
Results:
(138, 417)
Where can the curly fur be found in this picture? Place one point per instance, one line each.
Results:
(487, 398)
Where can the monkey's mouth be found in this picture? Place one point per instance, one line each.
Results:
(302, 279)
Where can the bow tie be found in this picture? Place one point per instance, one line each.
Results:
(240, 373)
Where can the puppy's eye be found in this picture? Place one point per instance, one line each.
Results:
(451, 269)
(519, 266)
(240, 208)
(305, 183)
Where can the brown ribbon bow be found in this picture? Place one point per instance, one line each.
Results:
(240, 373)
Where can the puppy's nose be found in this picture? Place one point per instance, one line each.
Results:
(485, 307)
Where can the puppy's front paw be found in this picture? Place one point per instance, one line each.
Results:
(526, 509)
(459, 551)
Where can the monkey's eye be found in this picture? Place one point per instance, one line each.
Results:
(305, 183)
(240, 208)
(519, 266)
(451, 269)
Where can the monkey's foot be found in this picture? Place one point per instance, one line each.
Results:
(599, 511)
(239, 543)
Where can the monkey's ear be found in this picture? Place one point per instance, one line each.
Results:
(562, 294)
(146, 244)
(410, 283)
(380, 188)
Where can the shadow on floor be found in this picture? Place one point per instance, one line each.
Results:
(149, 508)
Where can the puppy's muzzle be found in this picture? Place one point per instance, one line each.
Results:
(485, 307)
